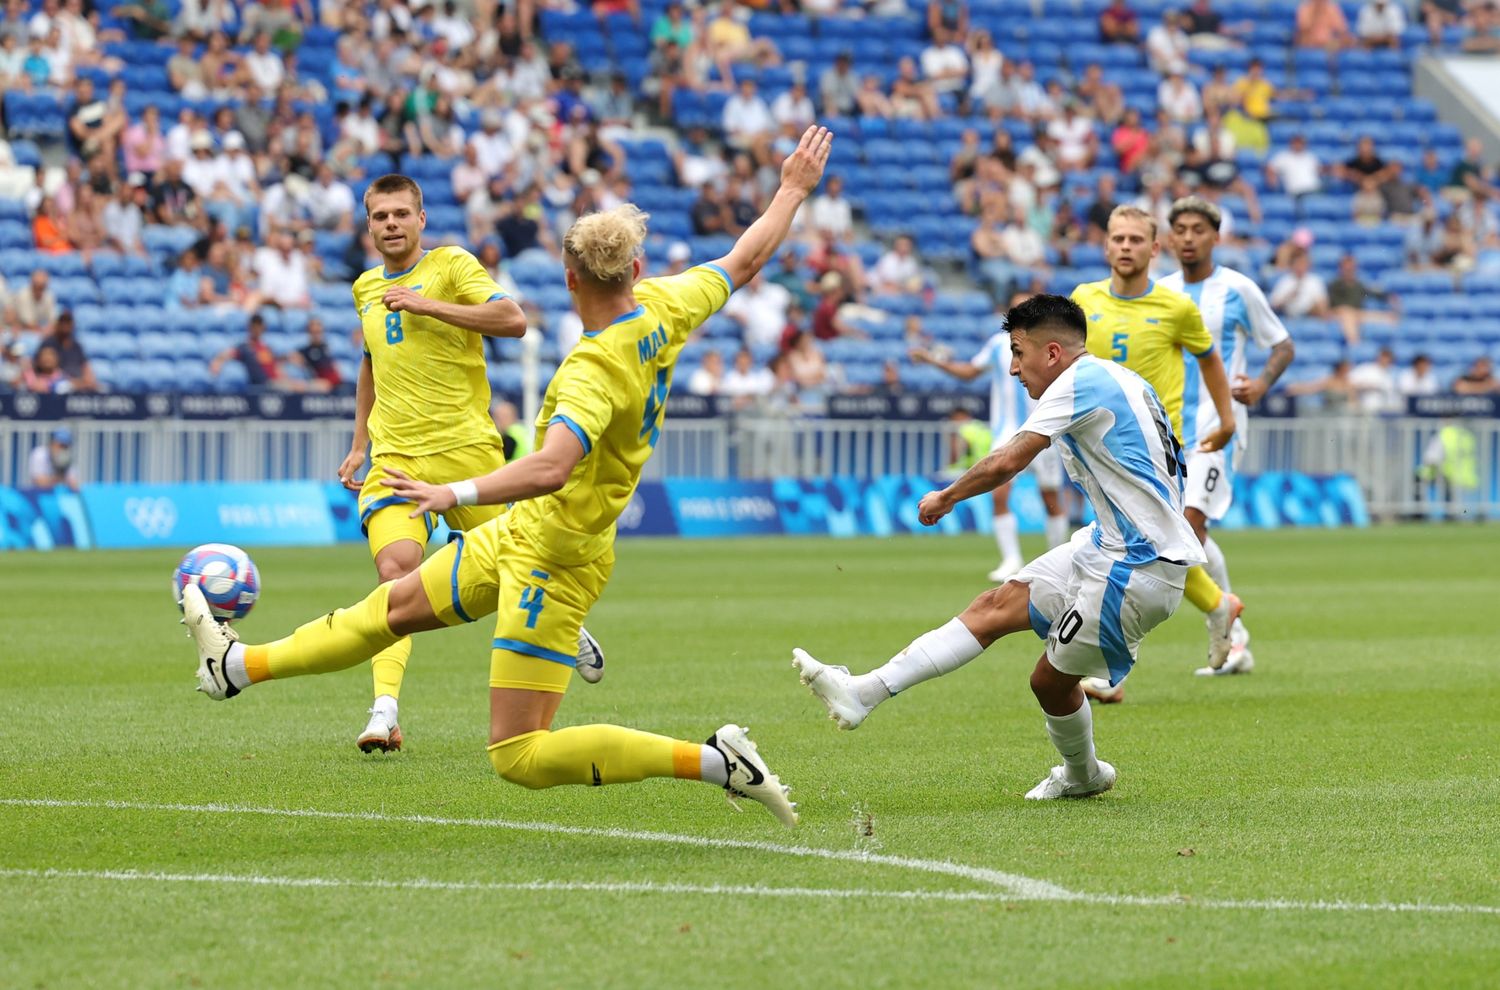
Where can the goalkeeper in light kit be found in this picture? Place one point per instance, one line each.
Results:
(544, 564)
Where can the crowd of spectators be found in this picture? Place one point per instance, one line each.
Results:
(536, 141)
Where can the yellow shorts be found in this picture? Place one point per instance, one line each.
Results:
(385, 518)
(540, 605)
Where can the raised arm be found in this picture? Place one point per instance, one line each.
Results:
(994, 470)
(962, 370)
(500, 317)
(800, 174)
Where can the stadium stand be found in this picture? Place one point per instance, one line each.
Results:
(1001, 125)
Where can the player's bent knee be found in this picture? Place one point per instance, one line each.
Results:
(407, 610)
(514, 759)
(998, 612)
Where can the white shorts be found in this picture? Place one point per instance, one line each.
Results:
(1209, 486)
(1092, 610)
(1046, 468)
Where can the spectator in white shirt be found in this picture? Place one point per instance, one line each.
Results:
(491, 147)
(1300, 292)
(263, 66)
(361, 127)
(760, 310)
(1167, 45)
(1179, 98)
(745, 382)
(706, 377)
(831, 213)
(1375, 384)
(1380, 24)
(282, 271)
(898, 272)
(202, 172)
(237, 168)
(747, 121)
(123, 217)
(332, 202)
(1295, 170)
(986, 64)
(1419, 379)
(1074, 139)
(944, 64)
(794, 107)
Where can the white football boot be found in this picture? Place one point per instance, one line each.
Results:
(590, 657)
(380, 734)
(213, 639)
(1008, 569)
(832, 686)
(1057, 785)
(1099, 689)
(749, 777)
(1220, 621)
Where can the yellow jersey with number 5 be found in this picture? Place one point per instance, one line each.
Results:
(431, 390)
(611, 392)
(1147, 334)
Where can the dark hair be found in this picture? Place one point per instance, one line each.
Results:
(1058, 314)
(393, 184)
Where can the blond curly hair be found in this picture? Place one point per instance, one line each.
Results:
(603, 245)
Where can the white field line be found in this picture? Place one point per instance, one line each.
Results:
(1011, 887)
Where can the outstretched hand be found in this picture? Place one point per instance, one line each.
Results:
(803, 168)
(426, 498)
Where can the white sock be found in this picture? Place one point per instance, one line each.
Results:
(234, 666)
(1057, 531)
(385, 706)
(932, 654)
(1008, 537)
(1217, 567)
(713, 767)
(1073, 735)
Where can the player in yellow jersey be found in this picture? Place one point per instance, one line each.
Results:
(1146, 327)
(545, 563)
(422, 400)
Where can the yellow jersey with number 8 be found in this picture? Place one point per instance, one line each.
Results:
(1147, 334)
(611, 392)
(431, 390)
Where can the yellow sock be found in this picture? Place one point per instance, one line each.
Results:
(1201, 590)
(340, 639)
(389, 667)
(593, 754)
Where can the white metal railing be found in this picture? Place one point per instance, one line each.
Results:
(1383, 454)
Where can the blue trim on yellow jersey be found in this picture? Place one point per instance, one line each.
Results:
(458, 608)
(498, 295)
(532, 650)
(1150, 285)
(386, 274)
(638, 311)
(1200, 353)
(377, 505)
(727, 280)
(583, 437)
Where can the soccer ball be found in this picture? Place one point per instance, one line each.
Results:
(225, 574)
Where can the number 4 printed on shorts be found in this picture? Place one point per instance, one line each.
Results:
(533, 598)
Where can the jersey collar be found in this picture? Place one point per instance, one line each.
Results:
(638, 311)
(414, 264)
(1150, 284)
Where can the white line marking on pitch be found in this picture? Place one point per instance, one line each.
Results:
(1012, 887)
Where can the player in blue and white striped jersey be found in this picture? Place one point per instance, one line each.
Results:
(1009, 407)
(1236, 314)
(1092, 600)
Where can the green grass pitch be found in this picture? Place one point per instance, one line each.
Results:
(1262, 828)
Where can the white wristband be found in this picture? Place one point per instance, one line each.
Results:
(464, 492)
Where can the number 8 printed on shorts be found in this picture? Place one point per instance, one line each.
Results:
(393, 332)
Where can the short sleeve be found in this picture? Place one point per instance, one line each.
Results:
(583, 402)
(690, 298)
(1266, 328)
(472, 285)
(1054, 412)
(1191, 333)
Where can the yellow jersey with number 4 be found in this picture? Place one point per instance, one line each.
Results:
(431, 390)
(611, 392)
(1147, 334)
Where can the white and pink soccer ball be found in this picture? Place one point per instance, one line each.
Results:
(225, 574)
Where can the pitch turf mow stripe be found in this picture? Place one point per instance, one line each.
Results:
(1013, 887)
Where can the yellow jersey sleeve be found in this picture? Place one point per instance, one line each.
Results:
(1191, 333)
(683, 302)
(468, 283)
(582, 401)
